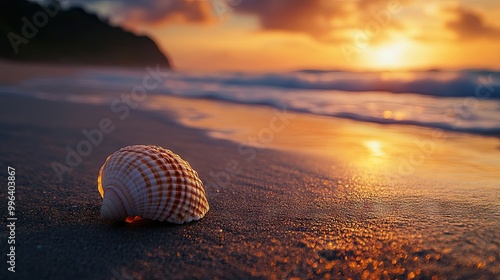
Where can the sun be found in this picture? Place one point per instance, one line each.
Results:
(387, 56)
(374, 147)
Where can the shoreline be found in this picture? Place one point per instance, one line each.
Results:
(404, 150)
(12, 72)
(407, 151)
(309, 197)
(278, 215)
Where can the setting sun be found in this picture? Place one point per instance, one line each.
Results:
(279, 35)
(387, 56)
(252, 139)
(374, 147)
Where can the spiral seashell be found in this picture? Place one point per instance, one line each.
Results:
(150, 182)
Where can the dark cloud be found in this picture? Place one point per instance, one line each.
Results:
(324, 20)
(313, 17)
(468, 24)
(152, 12)
(157, 12)
(363, 4)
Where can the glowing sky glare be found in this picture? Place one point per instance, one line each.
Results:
(374, 147)
(391, 55)
(424, 34)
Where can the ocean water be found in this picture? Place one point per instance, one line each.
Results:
(465, 101)
(338, 213)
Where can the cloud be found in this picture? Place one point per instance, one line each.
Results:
(327, 20)
(313, 17)
(152, 12)
(323, 20)
(363, 4)
(468, 24)
(160, 12)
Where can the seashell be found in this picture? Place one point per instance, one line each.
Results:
(150, 182)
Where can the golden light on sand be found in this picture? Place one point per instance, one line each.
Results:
(374, 147)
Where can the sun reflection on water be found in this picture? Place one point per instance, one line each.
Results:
(375, 148)
(372, 149)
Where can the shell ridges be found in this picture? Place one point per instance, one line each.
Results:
(150, 182)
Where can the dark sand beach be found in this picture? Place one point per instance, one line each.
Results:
(274, 214)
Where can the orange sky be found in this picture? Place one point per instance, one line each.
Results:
(256, 35)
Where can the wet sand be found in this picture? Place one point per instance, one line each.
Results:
(273, 216)
(13, 72)
(403, 151)
(312, 197)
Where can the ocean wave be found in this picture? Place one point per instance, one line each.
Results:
(459, 101)
(441, 83)
(456, 122)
